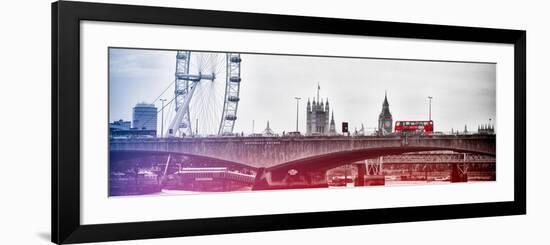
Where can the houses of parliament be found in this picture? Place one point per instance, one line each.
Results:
(317, 117)
(319, 123)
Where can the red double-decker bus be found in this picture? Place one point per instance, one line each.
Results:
(419, 127)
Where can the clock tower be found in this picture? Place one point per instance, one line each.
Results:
(385, 120)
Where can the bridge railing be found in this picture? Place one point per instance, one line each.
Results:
(216, 137)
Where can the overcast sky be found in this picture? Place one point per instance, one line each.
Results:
(463, 93)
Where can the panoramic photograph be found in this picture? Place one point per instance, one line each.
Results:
(188, 122)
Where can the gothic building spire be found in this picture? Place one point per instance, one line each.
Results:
(332, 130)
(386, 104)
(385, 120)
(268, 131)
(318, 88)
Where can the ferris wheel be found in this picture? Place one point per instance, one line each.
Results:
(206, 91)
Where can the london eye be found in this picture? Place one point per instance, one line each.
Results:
(206, 93)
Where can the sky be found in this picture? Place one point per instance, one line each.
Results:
(463, 93)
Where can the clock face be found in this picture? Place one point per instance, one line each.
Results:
(387, 124)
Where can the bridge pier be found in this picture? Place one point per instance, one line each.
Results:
(374, 174)
(361, 174)
(369, 173)
(459, 172)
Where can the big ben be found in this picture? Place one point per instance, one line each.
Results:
(385, 120)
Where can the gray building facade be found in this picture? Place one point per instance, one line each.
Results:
(317, 117)
(120, 125)
(144, 117)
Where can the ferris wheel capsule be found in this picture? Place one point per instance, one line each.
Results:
(235, 79)
(233, 98)
(231, 117)
(236, 59)
(181, 55)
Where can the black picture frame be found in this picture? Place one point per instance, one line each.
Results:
(65, 223)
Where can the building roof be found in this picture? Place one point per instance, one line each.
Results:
(143, 104)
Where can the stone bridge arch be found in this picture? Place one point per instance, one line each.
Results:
(336, 159)
(117, 155)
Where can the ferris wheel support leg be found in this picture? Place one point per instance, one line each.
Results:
(181, 115)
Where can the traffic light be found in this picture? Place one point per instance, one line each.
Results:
(344, 127)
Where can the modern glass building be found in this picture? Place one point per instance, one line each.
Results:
(144, 117)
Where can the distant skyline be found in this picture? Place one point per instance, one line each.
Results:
(463, 93)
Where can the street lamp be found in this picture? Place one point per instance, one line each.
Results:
(430, 106)
(297, 112)
(197, 126)
(162, 118)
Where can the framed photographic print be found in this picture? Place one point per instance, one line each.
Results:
(176, 122)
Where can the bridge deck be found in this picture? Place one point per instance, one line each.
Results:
(276, 151)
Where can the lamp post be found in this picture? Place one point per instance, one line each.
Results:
(430, 108)
(297, 111)
(162, 118)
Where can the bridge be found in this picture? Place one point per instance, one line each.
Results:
(276, 152)
(279, 158)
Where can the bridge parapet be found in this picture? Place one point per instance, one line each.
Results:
(484, 144)
(436, 158)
